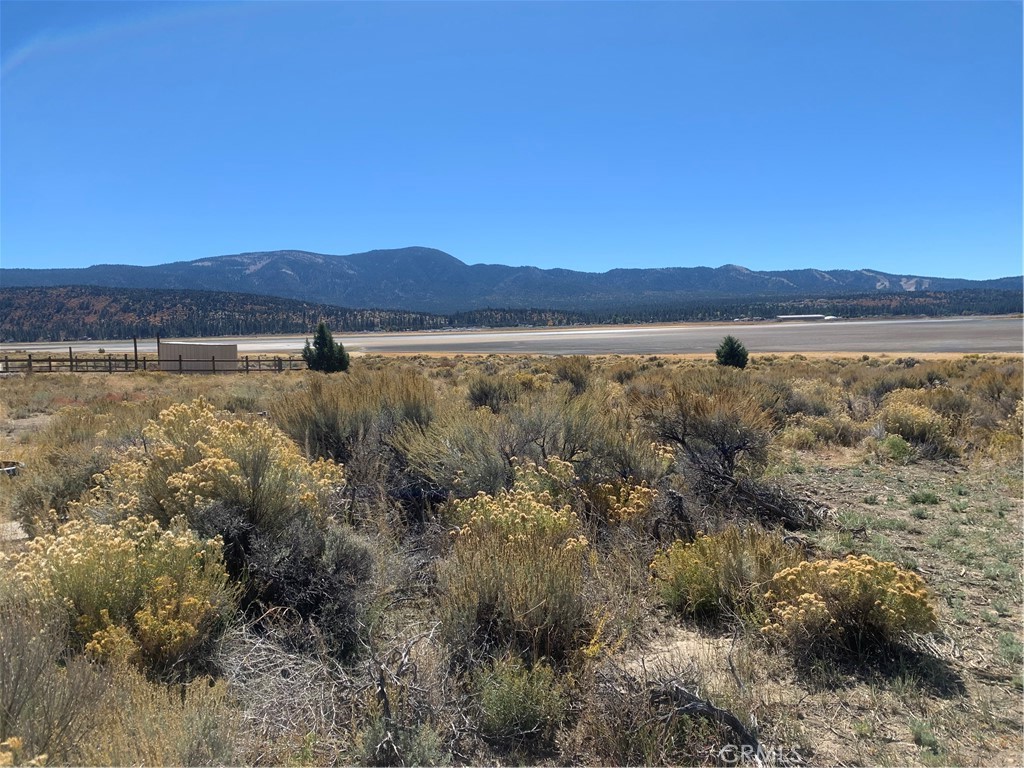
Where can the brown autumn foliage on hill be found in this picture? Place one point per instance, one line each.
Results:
(74, 312)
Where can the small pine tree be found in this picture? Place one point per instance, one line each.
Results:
(325, 355)
(731, 352)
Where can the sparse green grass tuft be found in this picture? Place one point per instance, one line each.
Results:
(923, 735)
(924, 497)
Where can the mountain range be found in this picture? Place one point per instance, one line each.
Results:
(428, 280)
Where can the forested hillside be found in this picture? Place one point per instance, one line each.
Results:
(77, 312)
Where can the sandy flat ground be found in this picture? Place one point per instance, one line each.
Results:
(957, 335)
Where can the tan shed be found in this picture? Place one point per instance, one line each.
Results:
(189, 357)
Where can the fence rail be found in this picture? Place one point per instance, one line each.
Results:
(128, 363)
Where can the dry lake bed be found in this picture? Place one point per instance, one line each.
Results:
(957, 335)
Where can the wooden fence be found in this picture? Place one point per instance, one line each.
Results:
(116, 364)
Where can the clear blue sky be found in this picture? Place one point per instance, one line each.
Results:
(773, 135)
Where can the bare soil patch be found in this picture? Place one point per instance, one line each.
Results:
(15, 429)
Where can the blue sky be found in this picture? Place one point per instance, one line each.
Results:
(774, 135)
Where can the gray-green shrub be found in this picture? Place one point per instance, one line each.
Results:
(520, 705)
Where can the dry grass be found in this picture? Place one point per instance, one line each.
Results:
(139, 722)
(948, 508)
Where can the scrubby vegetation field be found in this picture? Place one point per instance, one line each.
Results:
(516, 560)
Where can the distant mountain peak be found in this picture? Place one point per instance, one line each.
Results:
(422, 279)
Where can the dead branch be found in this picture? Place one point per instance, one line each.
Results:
(681, 702)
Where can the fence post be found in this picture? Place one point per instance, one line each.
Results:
(6, 366)
(49, 363)
(135, 344)
(144, 366)
(126, 361)
(110, 363)
(180, 368)
(30, 363)
(213, 364)
(246, 363)
(276, 358)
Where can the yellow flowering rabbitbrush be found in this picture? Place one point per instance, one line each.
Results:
(515, 575)
(194, 456)
(847, 603)
(921, 426)
(131, 589)
(12, 753)
(622, 502)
